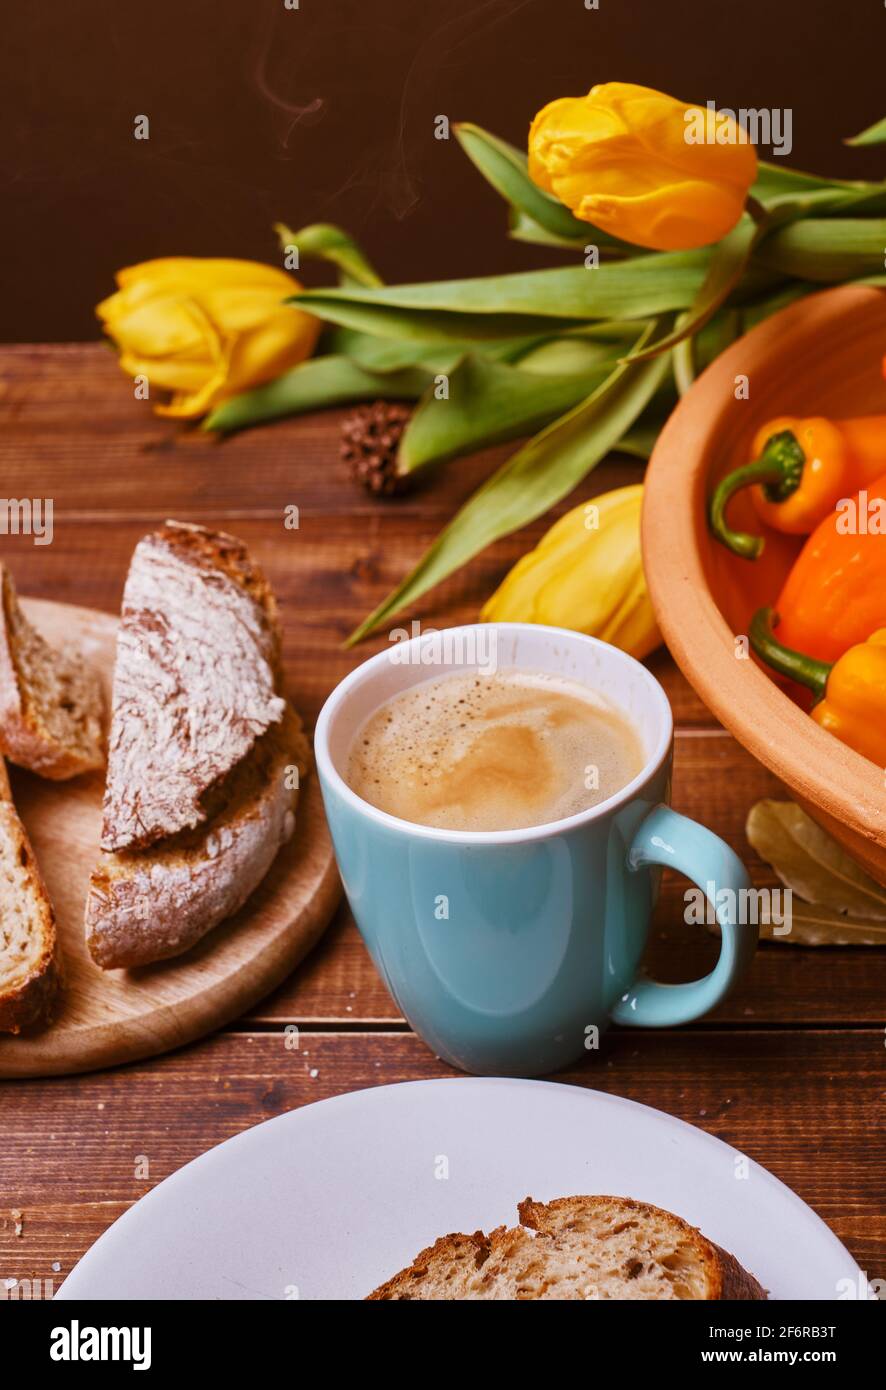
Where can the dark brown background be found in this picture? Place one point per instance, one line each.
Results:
(260, 113)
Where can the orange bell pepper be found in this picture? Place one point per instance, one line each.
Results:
(835, 593)
(850, 693)
(802, 468)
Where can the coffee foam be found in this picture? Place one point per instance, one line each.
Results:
(501, 752)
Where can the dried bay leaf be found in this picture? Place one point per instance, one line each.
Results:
(818, 926)
(843, 904)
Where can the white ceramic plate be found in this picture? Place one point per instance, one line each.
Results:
(327, 1201)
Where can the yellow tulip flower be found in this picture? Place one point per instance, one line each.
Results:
(642, 166)
(586, 573)
(206, 329)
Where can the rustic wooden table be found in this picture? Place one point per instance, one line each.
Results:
(790, 1069)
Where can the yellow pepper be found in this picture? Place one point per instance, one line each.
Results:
(586, 573)
(204, 330)
(850, 693)
(800, 471)
(854, 706)
(642, 166)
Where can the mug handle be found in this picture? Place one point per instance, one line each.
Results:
(665, 837)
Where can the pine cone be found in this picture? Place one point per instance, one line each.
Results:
(370, 437)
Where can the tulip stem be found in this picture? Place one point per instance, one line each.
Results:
(756, 210)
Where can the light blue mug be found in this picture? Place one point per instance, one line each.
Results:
(540, 942)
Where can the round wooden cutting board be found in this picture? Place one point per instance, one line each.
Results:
(108, 1017)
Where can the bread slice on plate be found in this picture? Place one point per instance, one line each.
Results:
(28, 967)
(50, 699)
(577, 1248)
(205, 754)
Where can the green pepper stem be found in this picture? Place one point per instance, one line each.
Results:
(781, 466)
(805, 669)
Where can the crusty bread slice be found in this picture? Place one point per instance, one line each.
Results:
(28, 968)
(50, 699)
(148, 905)
(577, 1248)
(195, 681)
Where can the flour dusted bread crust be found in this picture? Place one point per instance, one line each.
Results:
(201, 789)
(195, 681)
(28, 967)
(50, 699)
(577, 1248)
(148, 905)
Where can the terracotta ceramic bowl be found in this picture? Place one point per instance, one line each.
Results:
(820, 356)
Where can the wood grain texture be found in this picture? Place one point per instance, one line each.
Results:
(805, 1105)
(105, 1017)
(789, 1069)
(72, 432)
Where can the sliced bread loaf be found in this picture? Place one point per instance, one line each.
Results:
(28, 969)
(577, 1248)
(195, 681)
(50, 699)
(148, 905)
(202, 783)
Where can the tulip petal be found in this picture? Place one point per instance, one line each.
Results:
(161, 327)
(642, 166)
(199, 272)
(284, 339)
(685, 216)
(167, 373)
(206, 329)
(664, 128)
(189, 404)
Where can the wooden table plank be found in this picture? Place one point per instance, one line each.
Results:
(74, 1150)
(72, 427)
(789, 1069)
(73, 432)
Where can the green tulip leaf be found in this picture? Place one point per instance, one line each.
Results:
(571, 355)
(313, 385)
(531, 209)
(757, 310)
(490, 402)
(874, 135)
(509, 306)
(533, 479)
(728, 263)
(869, 201)
(506, 168)
(391, 354)
(776, 183)
(639, 442)
(326, 242)
(522, 227)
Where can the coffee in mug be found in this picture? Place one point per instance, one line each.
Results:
(475, 752)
